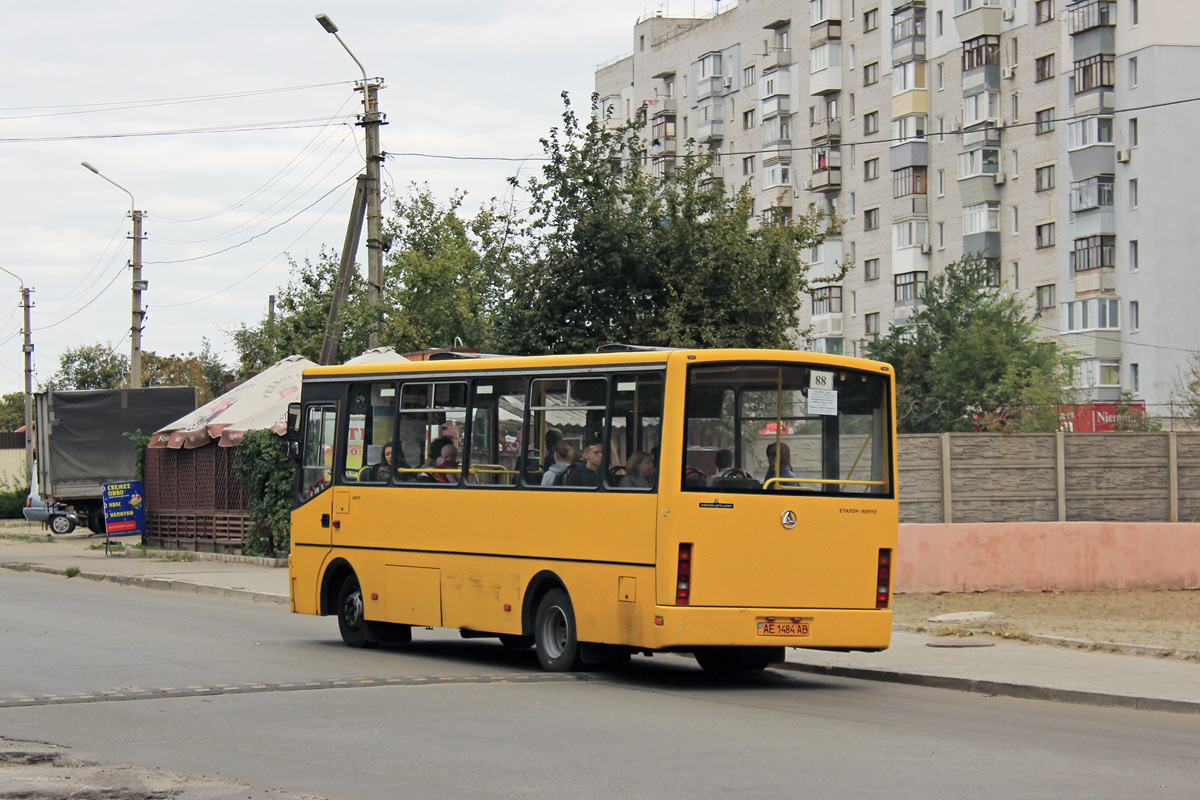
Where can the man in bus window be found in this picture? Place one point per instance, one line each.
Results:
(587, 473)
(564, 457)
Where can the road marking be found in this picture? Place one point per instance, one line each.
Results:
(260, 687)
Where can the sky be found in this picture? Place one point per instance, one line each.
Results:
(135, 89)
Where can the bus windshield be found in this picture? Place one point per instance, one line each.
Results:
(757, 428)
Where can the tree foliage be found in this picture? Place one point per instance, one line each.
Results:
(968, 359)
(202, 370)
(264, 471)
(91, 366)
(1185, 389)
(617, 254)
(12, 411)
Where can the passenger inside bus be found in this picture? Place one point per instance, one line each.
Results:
(587, 472)
(564, 457)
(552, 438)
(447, 460)
(639, 471)
(785, 464)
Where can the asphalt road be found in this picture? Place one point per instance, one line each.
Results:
(251, 693)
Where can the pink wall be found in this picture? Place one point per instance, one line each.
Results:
(1036, 556)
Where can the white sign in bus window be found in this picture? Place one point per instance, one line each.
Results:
(820, 380)
(823, 401)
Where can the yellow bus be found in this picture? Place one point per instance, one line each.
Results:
(726, 503)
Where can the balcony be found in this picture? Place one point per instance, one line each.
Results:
(828, 31)
(775, 105)
(663, 146)
(662, 105)
(710, 130)
(777, 58)
(716, 172)
(1095, 281)
(826, 81)
(826, 129)
(711, 86)
(914, 205)
(826, 180)
(827, 325)
(974, 18)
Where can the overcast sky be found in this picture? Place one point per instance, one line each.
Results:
(468, 78)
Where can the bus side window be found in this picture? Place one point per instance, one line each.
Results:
(635, 431)
(497, 414)
(370, 431)
(571, 410)
(432, 421)
(320, 425)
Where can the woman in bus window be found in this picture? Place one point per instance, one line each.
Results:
(638, 471)
(785, 464)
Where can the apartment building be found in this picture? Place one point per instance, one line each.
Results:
(1057, 138)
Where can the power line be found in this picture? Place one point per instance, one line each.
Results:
(94, 298)
(295, 124)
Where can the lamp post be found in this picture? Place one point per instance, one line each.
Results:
(139, 285)
(27, 348)
(371, 120)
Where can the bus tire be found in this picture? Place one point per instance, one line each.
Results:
(352, 623)
(554, 633)
(737, 659)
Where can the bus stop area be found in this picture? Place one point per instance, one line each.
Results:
(977, 663)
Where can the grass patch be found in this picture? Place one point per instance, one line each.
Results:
(27, 537)
(71, 572)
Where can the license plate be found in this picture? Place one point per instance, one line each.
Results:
(780, 628)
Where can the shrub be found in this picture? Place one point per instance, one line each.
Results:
(264, 471)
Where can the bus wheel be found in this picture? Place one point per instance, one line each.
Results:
(351, 622)
(733, 659)
(554, 633)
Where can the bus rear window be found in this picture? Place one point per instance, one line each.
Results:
(787, 428)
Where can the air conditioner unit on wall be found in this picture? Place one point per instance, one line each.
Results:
(926, 249)
(1123, 156)
(1006, 72)
(806, 186)
(1008, 14)
(1000, 178)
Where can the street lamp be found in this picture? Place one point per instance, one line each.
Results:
(371, 120)
(27, 348)
(139, 285)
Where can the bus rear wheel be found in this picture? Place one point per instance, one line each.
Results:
(352, 623)
(737, 659)
(554, 634)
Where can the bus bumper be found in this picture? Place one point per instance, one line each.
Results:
(682, 627)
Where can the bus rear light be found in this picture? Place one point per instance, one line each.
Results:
(658, 620)
(683, 575)
(883, 582)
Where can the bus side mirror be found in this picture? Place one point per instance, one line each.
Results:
(292, 437)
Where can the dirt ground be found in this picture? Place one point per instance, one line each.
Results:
(1168, 619)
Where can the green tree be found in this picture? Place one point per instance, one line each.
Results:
(12, 411)
(1185, 389)
(1131, 417)
(617, 254)
(202, 370)
(262, 467)
(968, 359)
(444, 274)
(91, 366)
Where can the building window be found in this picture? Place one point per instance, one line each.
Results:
(748, 76)
(985, 161)
(1092, 14)
(911, 233)
(1043, 121)
(910, 286)
(1045, 296)
(662, 129)
(1094, 252)
(871, 123)
(871, 219)
(1016, 273)
(941, 28)
(1045, 178)
(980, 108)
(1045, 234)
(1043, 11)
(1134, 12)
(910, 180)
(1135, 383)
(748, 119)
(870, 20)
(1093, 314)
(871, 73)
(871, 324)
(907, 76)
(1096, 192)
(941, 183)
(1133, 132)
(941, 75)
(908, 23)
(980, 51)
(981, 218)
(1133, 193)
(748, 165)
(1043, 68)
(908, 127)
(825, 56)
(1133, 76)
(1095, 72)
(941, 235)
(1135, 317)
(871, 269)
(777, 129)
(1016, 220)
(827, 300)
(778, 173)
(1090, 131)
(1133, 255)
(871, 169)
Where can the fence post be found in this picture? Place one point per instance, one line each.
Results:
(947, 504)
(1173, 476)
(1060, 473)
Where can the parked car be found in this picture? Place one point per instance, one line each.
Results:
(60, 518)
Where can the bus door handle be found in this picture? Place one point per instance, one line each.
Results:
(324, 520)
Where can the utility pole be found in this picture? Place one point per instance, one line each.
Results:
(333, 326)
(139, 285)
(27, 348)
(371, 120)
(271, 325)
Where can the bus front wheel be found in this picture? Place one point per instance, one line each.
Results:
(351, 621)
(554, 634)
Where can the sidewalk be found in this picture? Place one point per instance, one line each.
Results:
(978, 664)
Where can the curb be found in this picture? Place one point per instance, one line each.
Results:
(999, 689)
(162, 584)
